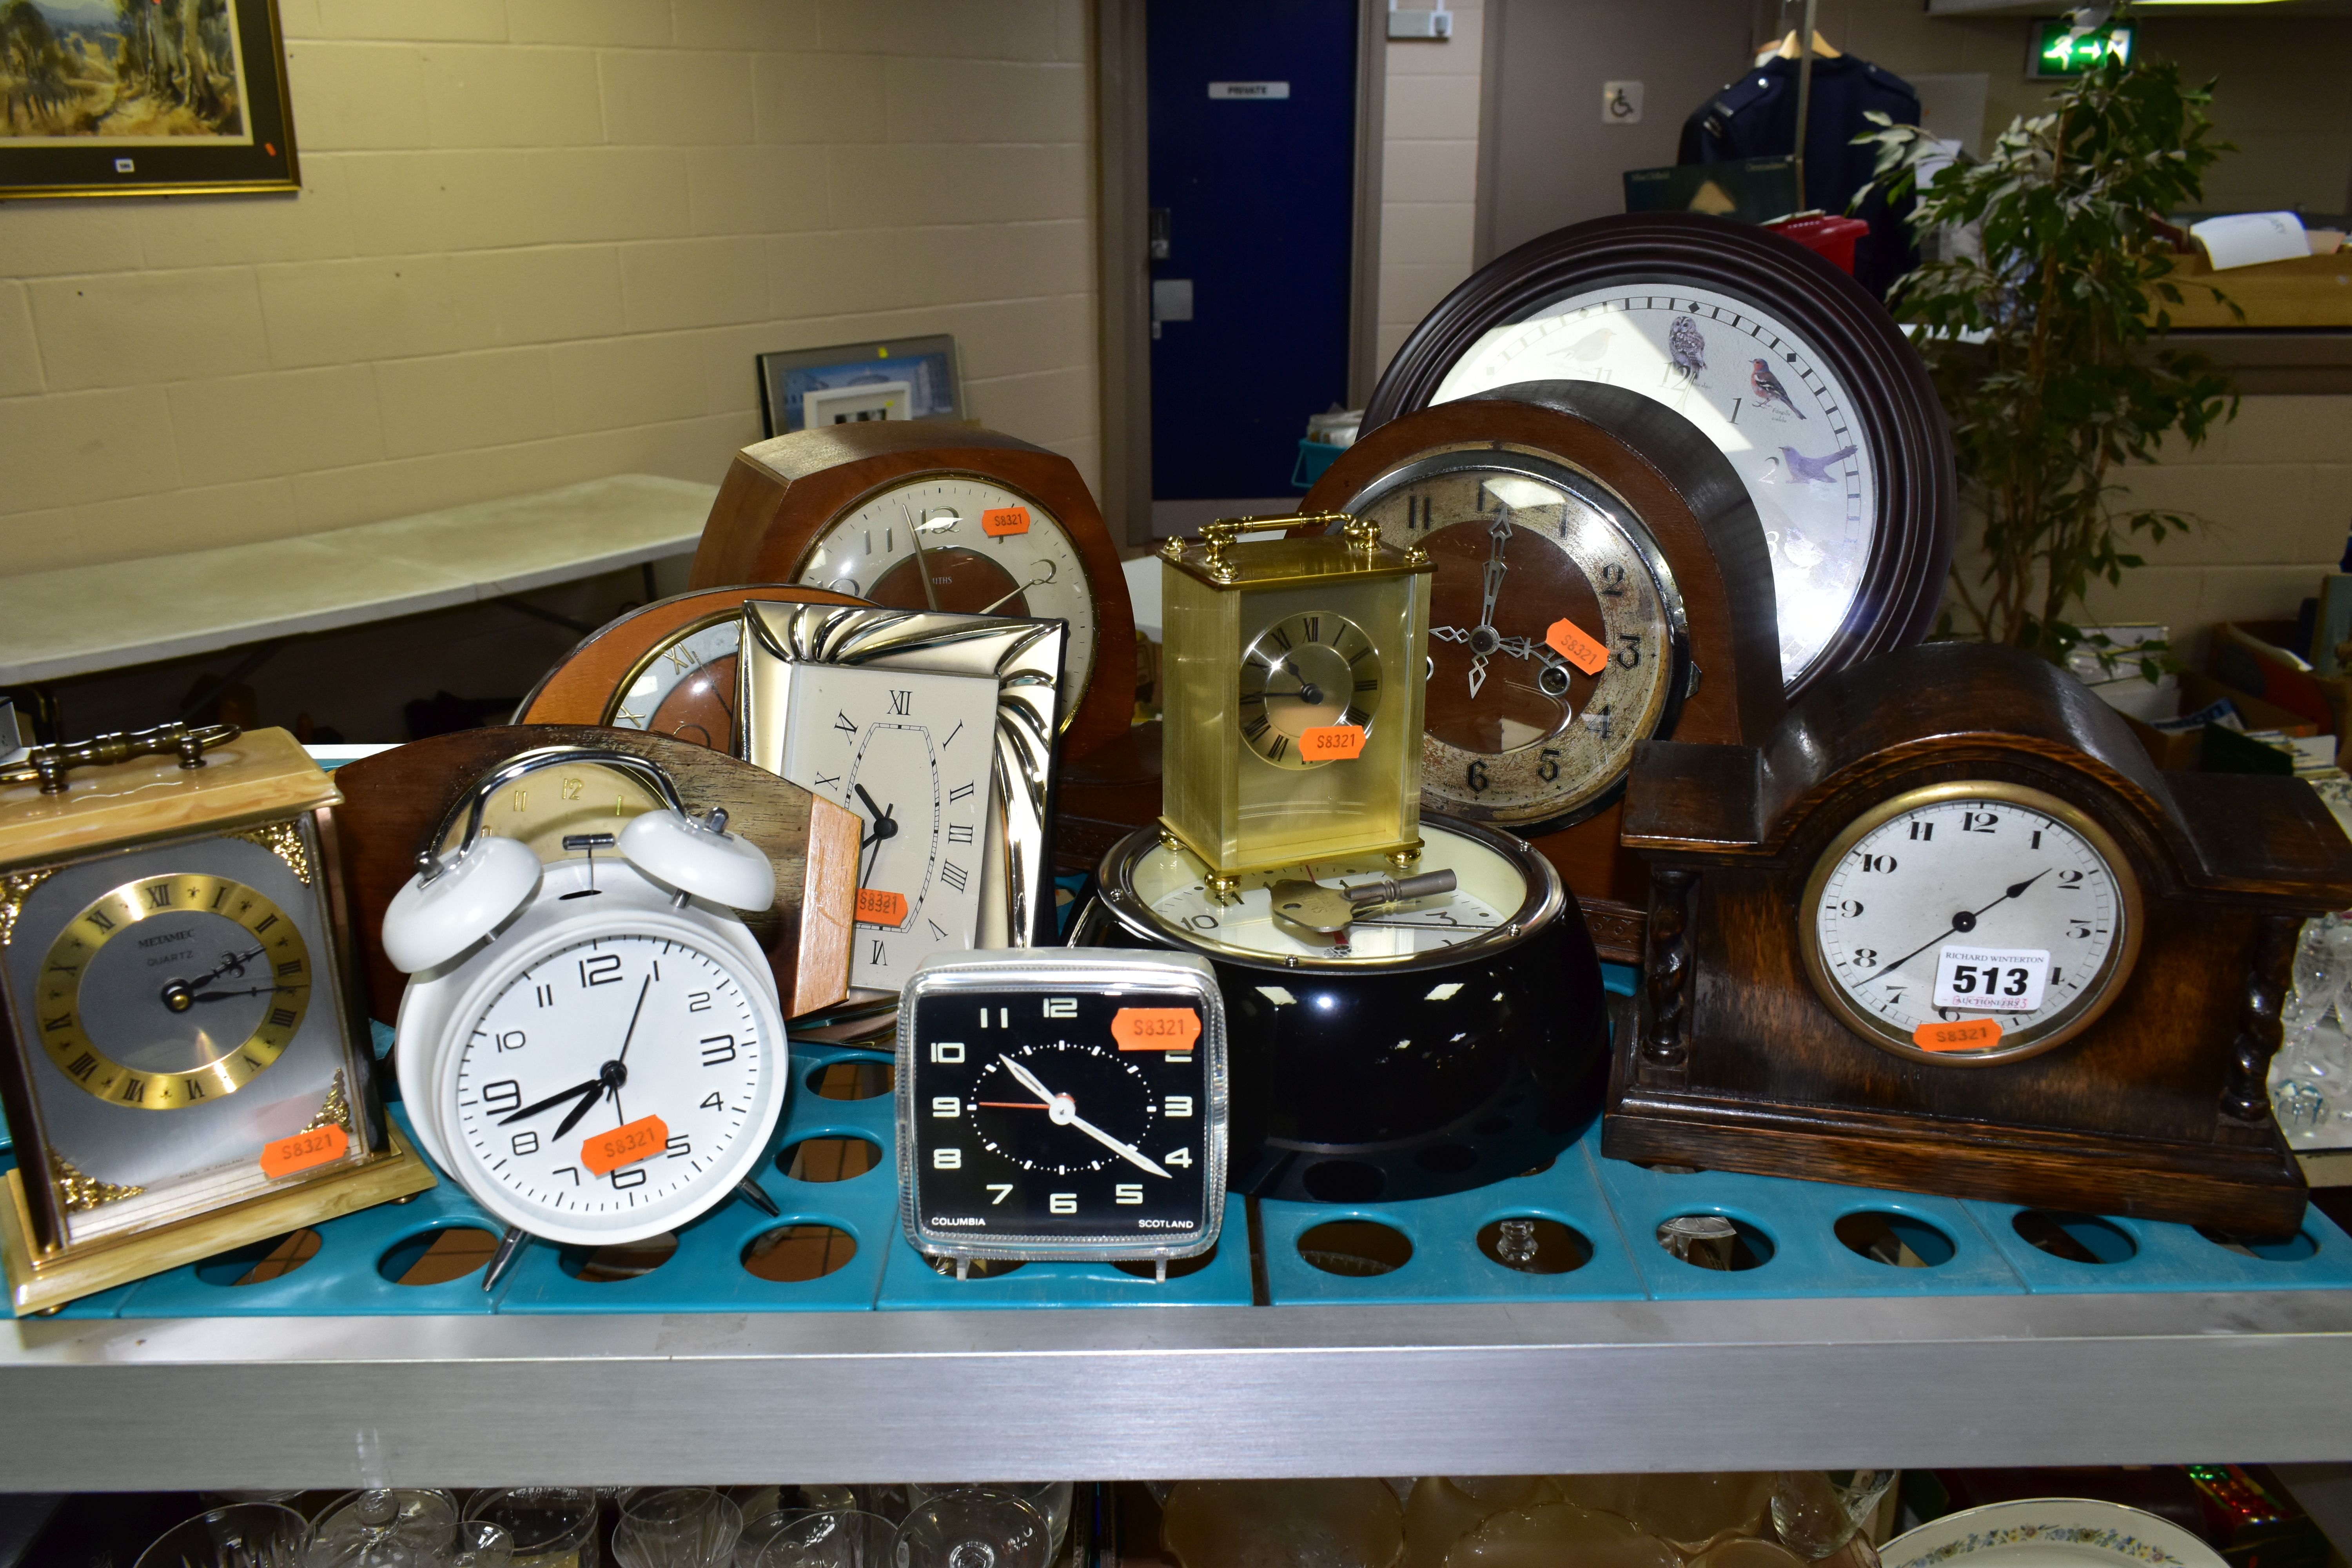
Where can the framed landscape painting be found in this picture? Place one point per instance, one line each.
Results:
(142, 98)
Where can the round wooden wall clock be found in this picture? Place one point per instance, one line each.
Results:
(1600, 581)
(1797, 376)
(924, 516)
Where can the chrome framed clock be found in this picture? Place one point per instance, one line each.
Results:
(922, 516)
(1800, 379)
(936, 731)
(182, 1047)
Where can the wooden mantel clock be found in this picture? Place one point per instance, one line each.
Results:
(923, 516)
(1601, 579)
(1950, 930)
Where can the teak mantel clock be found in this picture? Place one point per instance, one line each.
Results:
(1600, 579)
(1950, 930)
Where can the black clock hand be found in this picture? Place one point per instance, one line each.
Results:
(881, 814)
(576, 1090)
(248, 990)
(587, 1103)
(631, 1033)
(178, 995)
(1964, 921)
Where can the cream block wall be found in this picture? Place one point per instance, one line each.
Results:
(1429, 172)
(540, 241)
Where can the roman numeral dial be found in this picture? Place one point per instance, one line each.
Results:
(1307, 672)
(173, 990)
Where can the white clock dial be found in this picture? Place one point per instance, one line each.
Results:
(684, 686)
(911, 754)
(1758, 390)
(955, 541)
(1487, 889)
(1984, 904)
(614, 1084)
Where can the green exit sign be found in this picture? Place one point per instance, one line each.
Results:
(2059, 51)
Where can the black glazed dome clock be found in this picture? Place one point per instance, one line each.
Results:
(1795, 373)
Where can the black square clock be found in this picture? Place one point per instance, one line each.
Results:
(1061, 1103)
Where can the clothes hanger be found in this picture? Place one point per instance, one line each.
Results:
(1787, 48)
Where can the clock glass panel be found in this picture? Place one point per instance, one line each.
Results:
(1757, 389)
(1517, 732)
(956, 541)
(1991, 905)
(1031, 1119)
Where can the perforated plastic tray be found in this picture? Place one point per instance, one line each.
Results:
(1789, 1231)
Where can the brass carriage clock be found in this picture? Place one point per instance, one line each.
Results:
(182, 1059)
(1294, 709)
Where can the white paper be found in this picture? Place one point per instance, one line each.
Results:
(2248, 239)
(1992, 979)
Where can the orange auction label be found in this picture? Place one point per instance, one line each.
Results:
(1331, 742)
(606, 1152)
(1566, 639)
(1155, 1028)
(320, 1146)
(1968, 1034)
(877, 908)
(999, 520)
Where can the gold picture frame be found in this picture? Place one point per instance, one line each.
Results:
(141, 99)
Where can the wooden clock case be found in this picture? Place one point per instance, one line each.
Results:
(1674, 480)
(1899, 413)
(780, 495)
(2159, 1109)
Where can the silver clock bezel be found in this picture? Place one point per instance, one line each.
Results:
(1062, 971)
(2106, 987)
(1598, 494)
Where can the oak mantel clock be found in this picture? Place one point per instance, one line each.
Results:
(182, 1057)
(1950, 930)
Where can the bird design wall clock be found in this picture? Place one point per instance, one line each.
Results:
(1798, 377)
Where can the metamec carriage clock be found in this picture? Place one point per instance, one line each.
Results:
(182, 1051)
(1414, 1002)
(1950, 930)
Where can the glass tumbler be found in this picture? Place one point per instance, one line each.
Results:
(973, 1526)
(481, 1544)
(548, 1527)
(677, 1527)
(242, 1535)
(826, 1538)
(1817, 1511)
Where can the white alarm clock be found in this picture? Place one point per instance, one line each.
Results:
(593, 1048)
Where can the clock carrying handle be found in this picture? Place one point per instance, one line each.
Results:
(1218, 536)
(429, 861)
(49, 763)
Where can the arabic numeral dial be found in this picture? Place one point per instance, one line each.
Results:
(2009, 912)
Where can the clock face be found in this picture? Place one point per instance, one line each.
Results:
(911, 754)
(686, 687)
(173, 990)
(614, 1083)
(1308, 671)
(1039, 1114)
(1761, 392)
(1971, 922)
(541, 809)
(1535, 564)
(956, 541)
(1488, 891)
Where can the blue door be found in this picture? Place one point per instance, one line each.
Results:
(1252, 128)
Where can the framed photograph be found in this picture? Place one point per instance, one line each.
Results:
(851, 384)
(143, 97)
